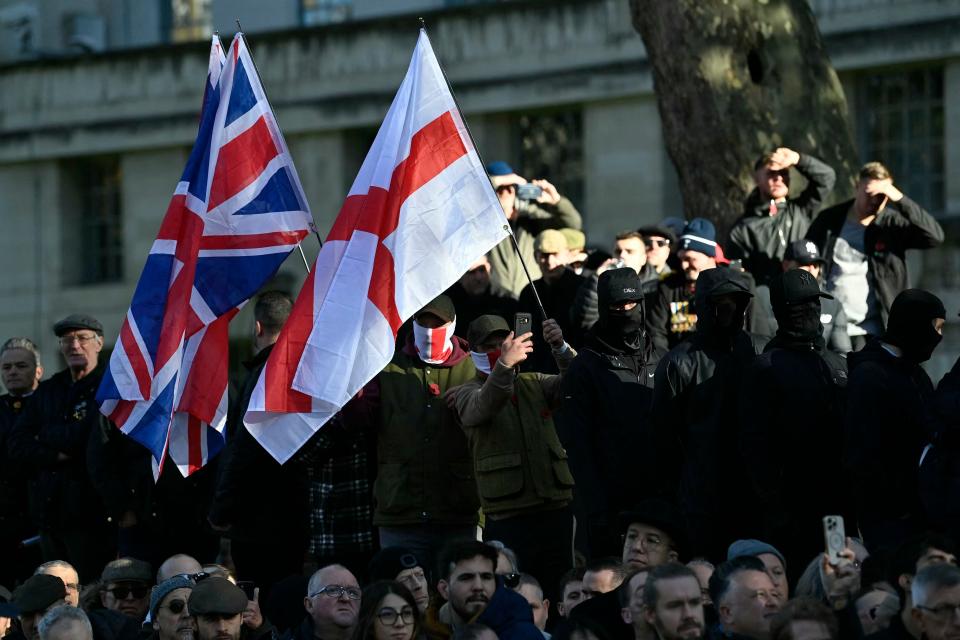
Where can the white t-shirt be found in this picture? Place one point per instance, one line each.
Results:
(850, 282)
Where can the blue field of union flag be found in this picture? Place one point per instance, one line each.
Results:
(235, 215)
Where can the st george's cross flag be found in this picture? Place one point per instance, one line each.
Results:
(235, 215)
(420, 212)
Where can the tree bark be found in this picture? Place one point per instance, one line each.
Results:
(737, 78)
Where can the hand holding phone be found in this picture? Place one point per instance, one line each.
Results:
(835, 538)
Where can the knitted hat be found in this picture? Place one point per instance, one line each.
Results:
(700, 235)
(165, 588)
(389, 562)
(751, 547)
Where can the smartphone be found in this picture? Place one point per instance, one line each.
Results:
(528, 192)
(834, 537)
(247, 586)
(522, 323)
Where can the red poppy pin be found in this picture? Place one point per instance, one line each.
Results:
(434, 388)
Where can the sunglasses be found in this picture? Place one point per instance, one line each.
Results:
(176, 607)
(656, 243)
(122, 593)
(506, 187)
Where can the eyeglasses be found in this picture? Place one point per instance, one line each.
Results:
(506, 187)
(176, 607)
(650, 243)
(122, 593)
(337, 591)
(388, 616)
(649, 542)
(942, 611)
(71, 586)
(66, 341)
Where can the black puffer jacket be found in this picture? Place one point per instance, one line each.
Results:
(695, 415)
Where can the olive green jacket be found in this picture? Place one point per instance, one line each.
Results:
(519, 462)
(425, 474)
(506, 273)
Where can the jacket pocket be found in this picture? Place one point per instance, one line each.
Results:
(561, 470)
(391, 490)
(499, 475)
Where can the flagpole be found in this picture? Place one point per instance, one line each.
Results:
(506, 227)
(257, 71)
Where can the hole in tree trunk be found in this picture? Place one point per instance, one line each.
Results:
(755, 66)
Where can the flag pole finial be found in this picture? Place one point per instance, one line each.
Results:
(239, 26)
(423, 23)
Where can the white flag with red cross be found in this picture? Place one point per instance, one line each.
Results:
(420, 212)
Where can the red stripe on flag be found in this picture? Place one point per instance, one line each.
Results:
(173, 218)
(240, 162)
(252, 241)
(432, 149)
(281, 367)
(194, 450)
(135, 356)
(121, 413)
(207, 377)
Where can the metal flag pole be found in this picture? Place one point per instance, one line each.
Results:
(506, 227)
(274, 114)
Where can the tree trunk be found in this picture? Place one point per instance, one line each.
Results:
(737, 78)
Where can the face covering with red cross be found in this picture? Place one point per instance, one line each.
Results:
(434, 346)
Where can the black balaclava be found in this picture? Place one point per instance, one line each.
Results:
(910, 326)
(799, 323)
(622, 330)
(712, 284)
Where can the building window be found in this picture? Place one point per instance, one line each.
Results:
(902, 125)
(93, 221)
(316, 12)
(190, 20)
(551, 147)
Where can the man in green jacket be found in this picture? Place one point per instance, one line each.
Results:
(425, 493)
(521, 468)
(527, 217)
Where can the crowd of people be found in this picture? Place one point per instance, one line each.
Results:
(673, 439)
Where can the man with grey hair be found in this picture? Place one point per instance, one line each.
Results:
(65, 571)
(20, 371)
(936, 601)
(57, 438)
(65, 623)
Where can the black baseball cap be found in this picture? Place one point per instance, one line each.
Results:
(618, 285)
(795, 285)
(803, 252)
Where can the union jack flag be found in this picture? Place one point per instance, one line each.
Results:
(235, 215)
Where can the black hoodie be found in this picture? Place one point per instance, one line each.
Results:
(695, 413)
(889, 420)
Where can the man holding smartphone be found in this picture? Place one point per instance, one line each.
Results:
(527, 218)
(524, 482)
